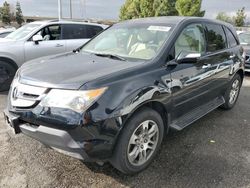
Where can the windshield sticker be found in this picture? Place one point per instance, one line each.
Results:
(159, 28)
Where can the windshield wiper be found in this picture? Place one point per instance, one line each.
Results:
(112, 56)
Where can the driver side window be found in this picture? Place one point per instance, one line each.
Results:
(191, 40)
(49, 33)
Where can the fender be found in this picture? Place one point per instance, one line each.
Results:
(141, 97)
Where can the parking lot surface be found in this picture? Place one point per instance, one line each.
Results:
(213, 152)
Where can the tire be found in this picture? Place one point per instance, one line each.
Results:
(232, 93)
(127, 145)
(7, 73)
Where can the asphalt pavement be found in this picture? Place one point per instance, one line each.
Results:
(212, 152)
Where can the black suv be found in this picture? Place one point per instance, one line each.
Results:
(114, 98)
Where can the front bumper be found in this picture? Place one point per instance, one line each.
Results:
(90, 142)
(59, 140)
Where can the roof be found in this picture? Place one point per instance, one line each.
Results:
(171, 20)
(161, 19)
(68, 22)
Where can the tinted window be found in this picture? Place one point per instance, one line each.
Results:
(52, 32)
(73, 31)
(230, 38)
(216, 39)
(92, 31)
(191, 40)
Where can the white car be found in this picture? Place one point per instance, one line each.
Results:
(38, 39)
(4, 32)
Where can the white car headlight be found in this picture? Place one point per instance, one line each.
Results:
(78, 101)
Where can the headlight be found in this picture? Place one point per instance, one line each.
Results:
(78, 101)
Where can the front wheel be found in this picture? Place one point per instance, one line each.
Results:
(232, 92)
(139, 142)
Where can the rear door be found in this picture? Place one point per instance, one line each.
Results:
(219, 58)
(78, 34)
(52, 43)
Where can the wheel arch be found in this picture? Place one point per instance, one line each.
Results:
(155, 105)
(13, 63)
(241, 73)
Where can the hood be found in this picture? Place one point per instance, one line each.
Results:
(70, 71)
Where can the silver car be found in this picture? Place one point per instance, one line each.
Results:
(38, 39)
(244, 37)
(4, 32)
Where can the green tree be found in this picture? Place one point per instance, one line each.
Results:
(189, 8)
(130, 10)
(165, 8)
(5, 13)
(147, 8)
(224, 17)
(239, 19)
(19, 14)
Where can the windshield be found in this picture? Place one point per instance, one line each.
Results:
(23, 31)
(136, 42)
(244, 38)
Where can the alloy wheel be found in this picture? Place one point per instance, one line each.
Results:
(234, 91)
(142, 143)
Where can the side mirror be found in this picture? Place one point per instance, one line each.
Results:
(188, 57)
(37, 39)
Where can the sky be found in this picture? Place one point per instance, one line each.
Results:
(109, 9)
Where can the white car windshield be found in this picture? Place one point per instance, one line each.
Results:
(135, 42)
(23, 31)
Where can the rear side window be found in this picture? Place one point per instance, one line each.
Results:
(92, 31)
(74, 31)
(232, 42)
(216, 39)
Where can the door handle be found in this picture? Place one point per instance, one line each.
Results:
(59, 45)
(206, 66)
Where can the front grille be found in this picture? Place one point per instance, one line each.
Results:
(25, 96)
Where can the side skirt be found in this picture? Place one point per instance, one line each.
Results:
(196, 114)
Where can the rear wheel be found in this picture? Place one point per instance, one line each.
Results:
(7, 73)
(232, 92)
(139, 142)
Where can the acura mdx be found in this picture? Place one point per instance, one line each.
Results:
(115, 98)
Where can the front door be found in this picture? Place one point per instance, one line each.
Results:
(51, 44)
(189, 79)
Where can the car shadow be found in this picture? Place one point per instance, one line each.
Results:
(4, 93)
(202, 155)
(247, 74)
(177, 165)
